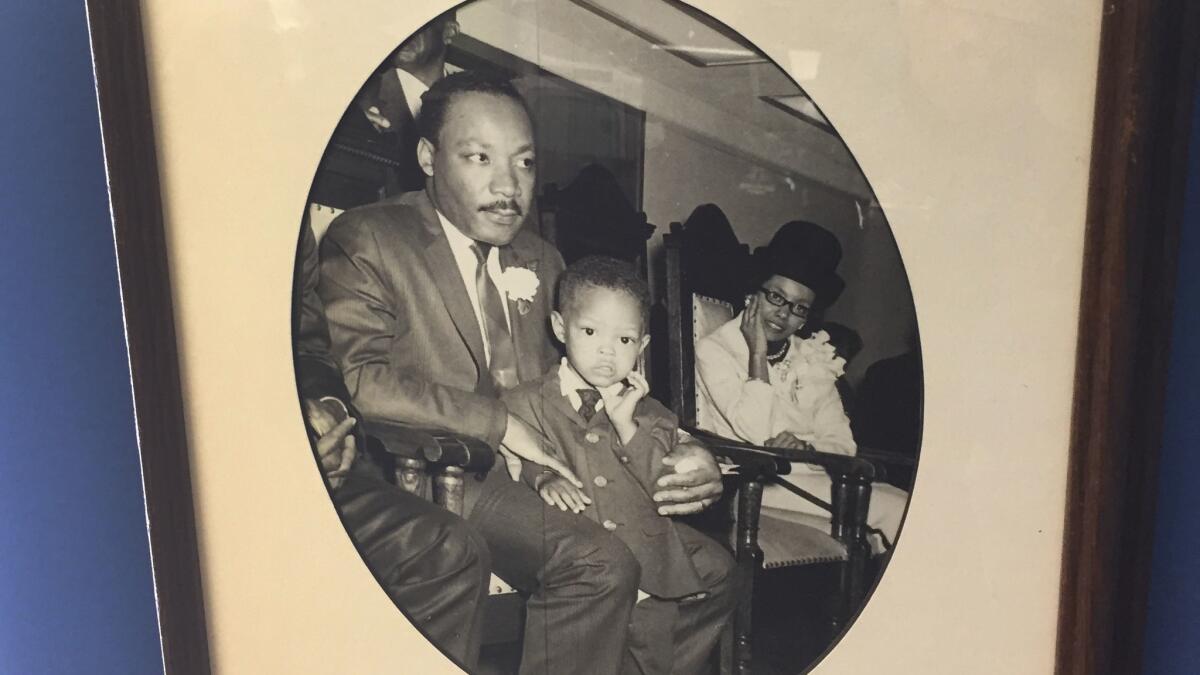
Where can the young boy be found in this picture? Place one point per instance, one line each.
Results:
(594, 411)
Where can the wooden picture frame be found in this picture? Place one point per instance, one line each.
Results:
(1147, 68)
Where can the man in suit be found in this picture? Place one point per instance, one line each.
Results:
(429, 561)
(373, 152)
(413, 294)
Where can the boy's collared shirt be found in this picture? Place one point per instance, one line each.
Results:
(570, 382)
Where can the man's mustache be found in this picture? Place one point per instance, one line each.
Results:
(503, 205)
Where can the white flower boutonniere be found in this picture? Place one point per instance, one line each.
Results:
(519, 283)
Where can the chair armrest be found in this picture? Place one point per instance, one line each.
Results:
(885, 457)
(887, 462)
(782, 458)
(752, 462)
(432, 445)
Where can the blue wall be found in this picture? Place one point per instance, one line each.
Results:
(75, 587)
(1173, 624)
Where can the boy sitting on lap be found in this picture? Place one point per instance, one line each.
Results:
(594, 410)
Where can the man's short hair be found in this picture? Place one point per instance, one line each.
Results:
(436, 101)
(597, 271)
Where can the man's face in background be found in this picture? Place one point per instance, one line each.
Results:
(428, 44)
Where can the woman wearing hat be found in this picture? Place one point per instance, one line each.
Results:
(763, 380)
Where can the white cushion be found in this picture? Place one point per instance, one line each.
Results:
(708, 314)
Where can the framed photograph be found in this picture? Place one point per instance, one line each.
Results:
(1002, 179)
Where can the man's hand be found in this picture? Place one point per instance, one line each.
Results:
(691, 491)
(621, 404)
(785, 439)
(521, 442)
(558, 491)
(335, 446)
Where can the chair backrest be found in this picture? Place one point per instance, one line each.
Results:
(593, 215)
(708, 314)
(703, 278)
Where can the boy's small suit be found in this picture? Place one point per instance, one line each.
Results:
(688, 575)
(618, 478)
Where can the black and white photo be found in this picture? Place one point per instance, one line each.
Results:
(604, 345)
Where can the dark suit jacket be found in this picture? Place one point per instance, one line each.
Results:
(363, 163)
(619, 479)
(403, 331)
(317, 374)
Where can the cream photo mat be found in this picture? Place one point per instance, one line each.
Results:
(983, 180)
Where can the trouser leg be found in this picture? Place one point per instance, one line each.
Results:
(678, 637)
(428, 560)
(581, 580)
(700, 624)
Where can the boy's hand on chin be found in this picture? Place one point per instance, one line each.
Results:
(621, 403)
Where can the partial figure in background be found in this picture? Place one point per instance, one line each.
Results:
(888, 407)
(373, 152)
(761, 383)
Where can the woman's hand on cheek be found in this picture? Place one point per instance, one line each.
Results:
(756, 339)
(752, 327)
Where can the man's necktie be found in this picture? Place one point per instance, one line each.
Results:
(502, 362)
(588, 398)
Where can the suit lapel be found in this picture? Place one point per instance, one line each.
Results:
(444, 269)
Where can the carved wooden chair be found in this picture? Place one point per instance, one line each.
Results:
(434, 465)
(593, 216)
(762, 539)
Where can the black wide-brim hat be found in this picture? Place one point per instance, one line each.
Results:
(807, 254)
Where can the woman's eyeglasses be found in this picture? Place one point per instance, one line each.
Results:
(797, 310)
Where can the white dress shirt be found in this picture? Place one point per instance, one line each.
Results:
(413, 88)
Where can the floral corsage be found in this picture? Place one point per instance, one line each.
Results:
(812, 361)
(520, 284)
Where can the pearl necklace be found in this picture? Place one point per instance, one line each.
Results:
(773, 358)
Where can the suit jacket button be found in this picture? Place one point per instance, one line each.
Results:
(600, 481)
(624, 459)
(609, 525)
(592, 437)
